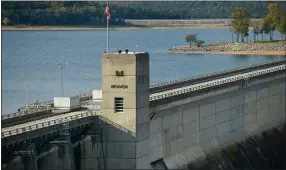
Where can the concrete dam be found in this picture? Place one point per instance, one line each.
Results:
(128, 124)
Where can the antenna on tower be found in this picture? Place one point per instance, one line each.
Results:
(107, 12)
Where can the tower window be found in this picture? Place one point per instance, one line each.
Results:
(118, 104)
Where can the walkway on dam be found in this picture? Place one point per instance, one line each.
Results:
(46, 122)
(216, 82)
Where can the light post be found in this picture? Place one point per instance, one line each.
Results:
(62, 75)
(93, 106)
(145, 45)
(27, 96)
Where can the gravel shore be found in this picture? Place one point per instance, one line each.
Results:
(277, 48)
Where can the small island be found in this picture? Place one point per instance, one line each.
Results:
(240, 24)
(251, 48)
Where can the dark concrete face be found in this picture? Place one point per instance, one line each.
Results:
(263, 151)
(204, 124)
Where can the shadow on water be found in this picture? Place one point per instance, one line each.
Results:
(240, 57)
(266, 151)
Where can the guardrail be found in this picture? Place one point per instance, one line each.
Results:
(53, 122)
(252, 66)
(199, 86)
(17, 114)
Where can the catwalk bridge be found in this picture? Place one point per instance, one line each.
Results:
(187, 112)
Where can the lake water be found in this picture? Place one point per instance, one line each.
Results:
(30, 58)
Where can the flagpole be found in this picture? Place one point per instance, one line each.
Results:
(107, 31)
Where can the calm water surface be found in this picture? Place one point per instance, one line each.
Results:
(30, 58)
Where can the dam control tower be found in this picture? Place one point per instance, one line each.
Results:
(125, 109)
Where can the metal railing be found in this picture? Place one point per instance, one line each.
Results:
(25, 112)
(49, 123)
(217, 73)
(199, 86)
(84, 95)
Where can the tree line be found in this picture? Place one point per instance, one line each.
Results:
(92, 13)
(193, 40)
(274, 19)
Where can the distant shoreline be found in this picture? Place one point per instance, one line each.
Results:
(82, 28)
(138, 24)
(262, 52)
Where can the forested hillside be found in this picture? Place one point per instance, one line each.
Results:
(92, 13)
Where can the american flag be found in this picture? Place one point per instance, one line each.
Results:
(107, 12)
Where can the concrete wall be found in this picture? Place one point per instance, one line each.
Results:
(117, 151)
(44, 160)
(16, 163)
(59, 156)
(125, 134)
(184, 133)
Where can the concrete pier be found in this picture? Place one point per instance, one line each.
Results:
(23, 159)
(60, 156)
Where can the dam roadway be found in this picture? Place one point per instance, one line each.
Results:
(172, 121)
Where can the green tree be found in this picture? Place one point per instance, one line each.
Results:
(261, 32)
(274, 12)
(246, 34)
(199, 43)
(271, 20)
(92, 13)
(282, 26)
(6, 21)
(191, 38)
(256, 31)
(281, 23)
(231, 30)
(266, 28)
(240, 21)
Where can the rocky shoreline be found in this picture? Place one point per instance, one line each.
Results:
(229, 48)
(191, 23)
